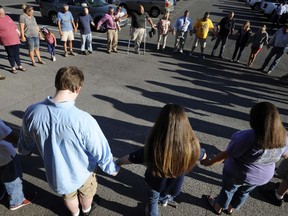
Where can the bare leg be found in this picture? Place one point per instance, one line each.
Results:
(31, 55)
(37, 52)
(72, 205)
(86, 203)
(70, 46)
(283, 188)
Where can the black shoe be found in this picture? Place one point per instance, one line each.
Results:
(93, 207)
(83, 53)
(221, 57)
(90, 52)
(271, 197)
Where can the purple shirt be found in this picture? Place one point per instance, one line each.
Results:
(109, 21)
(249, 164)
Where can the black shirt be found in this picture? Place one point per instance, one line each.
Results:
(138, 20)
(226, 25)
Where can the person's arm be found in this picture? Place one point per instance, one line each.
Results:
(151, 23)
(219, 158)
(101, 21)
(123, 160)
(74, 26)
(136, 157)
(54, 38)
(22, 36)
(59, 26)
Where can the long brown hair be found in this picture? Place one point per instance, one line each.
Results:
(172, 148)
(266, 122)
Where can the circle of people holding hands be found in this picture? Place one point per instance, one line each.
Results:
(30, 33)
(171, 150)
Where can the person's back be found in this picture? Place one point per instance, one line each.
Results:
(69, 140)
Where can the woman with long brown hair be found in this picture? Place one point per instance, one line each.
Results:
(250, 157)
(171, 151)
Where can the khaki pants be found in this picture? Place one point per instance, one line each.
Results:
(112, 40)
(137, 36)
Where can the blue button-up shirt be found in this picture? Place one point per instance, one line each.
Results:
(183, 26)
(279, 39)
(70, 142)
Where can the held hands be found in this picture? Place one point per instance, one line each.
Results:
(206, 162)
(23, 39)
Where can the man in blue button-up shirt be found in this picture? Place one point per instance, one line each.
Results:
(69, 140)
(183, 24)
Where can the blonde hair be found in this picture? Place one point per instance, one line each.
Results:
(246, 25)
(172, 147)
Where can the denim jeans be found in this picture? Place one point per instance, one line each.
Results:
(51, 48)
(232, 192)
(278, 53)
(14, 190)
(86, 38)
(153, 202)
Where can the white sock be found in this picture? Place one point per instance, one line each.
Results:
(278, 196)
(86, 210)
(76, 214)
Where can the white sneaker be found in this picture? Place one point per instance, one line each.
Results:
(53, 58)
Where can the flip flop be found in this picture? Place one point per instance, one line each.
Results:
(13, 70)
(211, 201)
(21, 68)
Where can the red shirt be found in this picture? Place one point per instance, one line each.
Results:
(8, 33)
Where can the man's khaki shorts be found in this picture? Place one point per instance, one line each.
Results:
(87, 190)
(67, 35)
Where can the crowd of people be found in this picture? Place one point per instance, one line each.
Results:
(67, 25)
(72, 145)
(75, 146)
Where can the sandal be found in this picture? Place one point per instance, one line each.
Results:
(14, 70)
(211, 201)
(41, 62)
(21, 68)
(33, 64)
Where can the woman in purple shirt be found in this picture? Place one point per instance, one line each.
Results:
(250, 157)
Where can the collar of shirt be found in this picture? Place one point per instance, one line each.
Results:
(64, 105)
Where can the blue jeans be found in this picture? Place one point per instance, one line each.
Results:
(278, 52)
(233, 193)
(153, 202)
(86, 38)
(14, 190)
(51, 48)
(33, 43)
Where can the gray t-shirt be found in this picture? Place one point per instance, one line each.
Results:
(30, 25)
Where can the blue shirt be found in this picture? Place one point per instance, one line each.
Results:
(183, 24)
(70, 142)
(65, 20)
(84, 21)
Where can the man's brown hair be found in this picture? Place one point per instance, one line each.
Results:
(69, 78)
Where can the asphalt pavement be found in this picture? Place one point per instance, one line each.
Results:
(125, 92)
